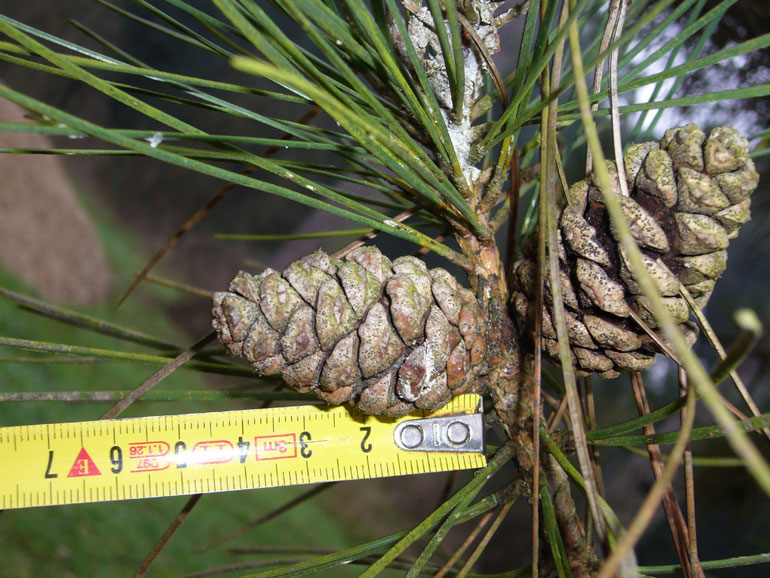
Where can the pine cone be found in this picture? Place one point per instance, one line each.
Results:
(388, 337)
(688, 196)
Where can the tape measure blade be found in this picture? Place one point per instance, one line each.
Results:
(81, 462)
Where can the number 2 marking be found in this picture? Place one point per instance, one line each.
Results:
(365, 447)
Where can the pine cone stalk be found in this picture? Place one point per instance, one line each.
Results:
(391, 337)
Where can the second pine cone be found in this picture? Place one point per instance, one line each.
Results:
(688, 196)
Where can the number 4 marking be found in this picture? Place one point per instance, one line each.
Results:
(243, 449)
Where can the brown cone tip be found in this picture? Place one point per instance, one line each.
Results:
(688, 196)
(385, 336)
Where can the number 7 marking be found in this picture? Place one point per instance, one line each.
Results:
(48, 473)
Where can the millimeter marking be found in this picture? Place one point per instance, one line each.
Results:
(107, 460)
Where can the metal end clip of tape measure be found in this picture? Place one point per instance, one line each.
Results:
(122, 459)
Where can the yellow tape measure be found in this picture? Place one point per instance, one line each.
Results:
(149, 457)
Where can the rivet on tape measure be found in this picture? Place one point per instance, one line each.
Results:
(148, 457)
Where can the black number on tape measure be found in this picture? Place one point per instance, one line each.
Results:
(243, 449)
(180, 447)
(48, 473)
(304, 451)
(365, 447)
(116, 457)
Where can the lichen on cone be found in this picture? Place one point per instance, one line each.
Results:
(385, 336)
(688, 196)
